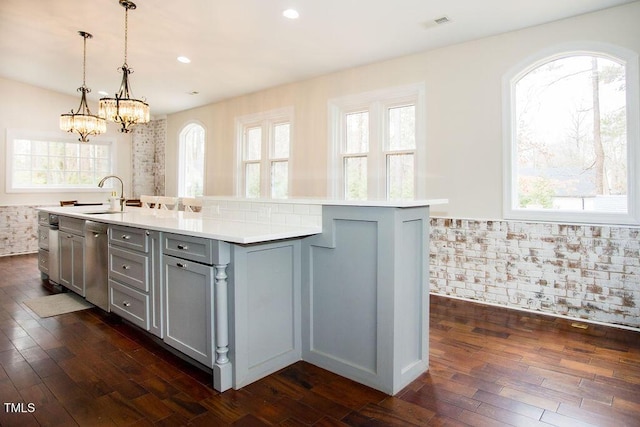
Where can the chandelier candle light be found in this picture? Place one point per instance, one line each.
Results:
(123, 108)
(82, 121)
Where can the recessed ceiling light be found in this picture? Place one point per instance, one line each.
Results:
(291, 14)
(103, 93)
(183, 59)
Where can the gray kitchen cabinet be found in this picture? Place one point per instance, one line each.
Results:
(189, 308)
(135, 279)
(43, 250)
(71, 252)
(189, 295)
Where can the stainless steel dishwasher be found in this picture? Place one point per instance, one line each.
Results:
(96, 247)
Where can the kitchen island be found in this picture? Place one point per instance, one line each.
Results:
(247, 287)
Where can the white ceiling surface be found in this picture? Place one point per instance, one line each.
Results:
(239, 46)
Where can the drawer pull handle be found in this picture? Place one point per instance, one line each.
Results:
(125, 267)
(181, 265)
(183, 247)
(126, 303)
(126, 237)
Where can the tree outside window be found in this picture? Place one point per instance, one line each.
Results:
(570, 146)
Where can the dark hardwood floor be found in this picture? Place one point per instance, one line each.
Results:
(488, 367)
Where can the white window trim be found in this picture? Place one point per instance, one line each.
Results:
(509, 80)
(180, 168)
(12, 134)
(271, 117)
(376, 101)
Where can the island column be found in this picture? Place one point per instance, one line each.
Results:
(365, 294)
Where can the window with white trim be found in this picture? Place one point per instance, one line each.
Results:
(191, 161)
(377, 144)
(38, 161)
(264, 153)
(573, 138)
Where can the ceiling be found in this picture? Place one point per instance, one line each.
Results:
(239, 46)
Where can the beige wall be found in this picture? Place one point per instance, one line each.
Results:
(27, 107)
(463, 114)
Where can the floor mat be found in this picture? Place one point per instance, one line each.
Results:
(53, 305)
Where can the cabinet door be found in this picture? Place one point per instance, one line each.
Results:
(77, 284)
(72, 262)
(188, 308)
(66, 259)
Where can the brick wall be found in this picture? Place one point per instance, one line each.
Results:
(18, 230)
(147, 158)
(581, 271)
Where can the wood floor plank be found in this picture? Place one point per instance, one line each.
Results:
(599, 414)
(488, 366)
(509, 403)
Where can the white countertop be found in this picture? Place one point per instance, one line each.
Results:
(231, 228)
(189, 223)
(408, 203)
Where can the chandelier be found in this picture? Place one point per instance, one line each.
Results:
(123, 108)
(82, 121)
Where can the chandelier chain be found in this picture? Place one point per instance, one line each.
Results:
(84, 61)
(126, 31)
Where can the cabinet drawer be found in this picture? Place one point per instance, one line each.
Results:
(128, 237)
(72, 225)
(192, 248)
(43, 261)
(43, 237)
(129, 267)
(129, 304)
(43, 218)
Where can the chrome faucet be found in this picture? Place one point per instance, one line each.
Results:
(101, 184)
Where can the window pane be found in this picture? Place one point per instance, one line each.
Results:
(357, 133)
(571, 143)
(281, 138)
(252, 179)
(103, 151)
(253, 144)
(355, 178)
(42, 147)
(402, 128)
(400, 176)
(279, 179)
(21, 162)
(43, 163)
(191, 161)
(21, 146)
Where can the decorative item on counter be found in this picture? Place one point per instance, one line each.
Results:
(114, 201)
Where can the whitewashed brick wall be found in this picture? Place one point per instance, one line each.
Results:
(148, 158)
(580, 271)
(18, 230)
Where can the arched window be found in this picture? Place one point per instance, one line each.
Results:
(572, 139)
(191, 161)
